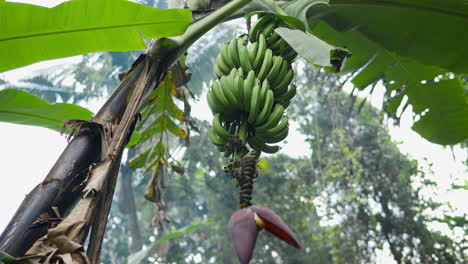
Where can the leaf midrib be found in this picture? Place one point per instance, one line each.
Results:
(30, 114)
(89, 29)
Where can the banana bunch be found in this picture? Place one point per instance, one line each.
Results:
(252, 92)
(266, 26)
(259, 59)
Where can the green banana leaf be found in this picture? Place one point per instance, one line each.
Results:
(413, 45)
(7, 259)
(23, 108)
(431, 32)
(30, 33)
(20, 107)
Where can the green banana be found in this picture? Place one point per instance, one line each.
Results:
(243, 133)
(242, 41)
(240, 72)
(219, 95)
(224, 52)
(277, 129)
(291, 56)
(285, 50)
(254, 104)
(288, 95)
(260, 53)
(282, 87)
(214, 105)
(253, 49)
(227, 88)
(273, 73)
(272, 120)
(278, 45)
(249, 83)
(270, 149)
(273, 38)
(219, 129)
(275, 138)
(268, 29)
(244, 58)
(259, 145)
(257, 28)
(266, 65)
(221, 65)
(283, 70)
(263, 93)
(233, 54)
(266, 110)
(218, 71)
(238, 88)
(215, 138)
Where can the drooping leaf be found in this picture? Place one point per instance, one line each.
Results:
(404, 42)
(134, 139)
(23, 108)
(430, 32)
(150, 154)
(174, 129)
(373, 62)
(310, 47)
(446, 119)
(32, 33)
(155, 127)
(160, 114)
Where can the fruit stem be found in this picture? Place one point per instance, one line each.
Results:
(243, 132)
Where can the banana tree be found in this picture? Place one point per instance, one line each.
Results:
(74, 199)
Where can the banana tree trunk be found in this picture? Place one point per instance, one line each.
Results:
(30, 221)
(52, 199)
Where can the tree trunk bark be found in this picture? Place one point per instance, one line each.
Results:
(35, 215)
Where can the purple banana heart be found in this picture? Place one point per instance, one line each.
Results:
(245, 224)
(244, 232)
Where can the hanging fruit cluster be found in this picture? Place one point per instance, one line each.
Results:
(248, 102)
(252, 91)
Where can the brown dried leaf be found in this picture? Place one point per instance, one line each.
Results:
(97, 176)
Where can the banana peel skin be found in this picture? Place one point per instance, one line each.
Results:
(246, 223)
